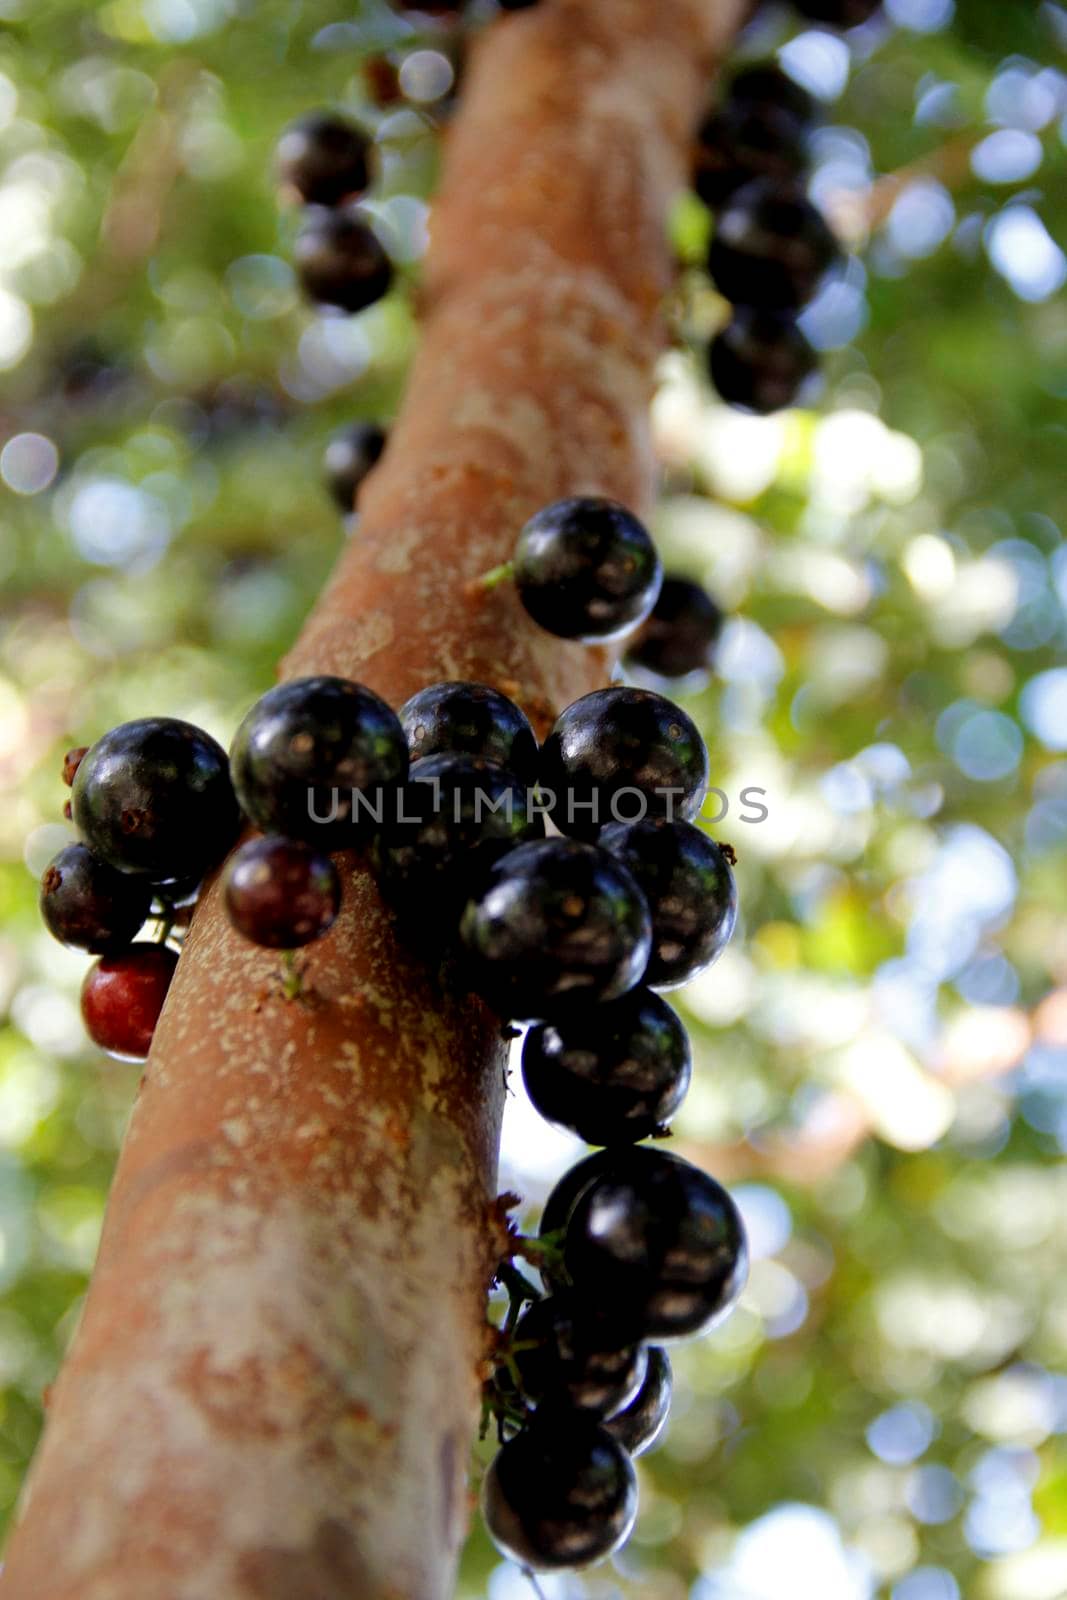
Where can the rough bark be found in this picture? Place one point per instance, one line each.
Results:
(273, 1388)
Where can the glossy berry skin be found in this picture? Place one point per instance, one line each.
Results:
(622, 739)
(839, 13)
(86, 903)
(611, 1074)
(458, 814)
(575, 1362)
(122, 996)
(742, 142)
(656, 1245)
(586, 569)
(305, 748)
(348, 459)
(154, 797)
(470, 719)
(281, 893)
(340, 260)
(690, 890)
(764, 83)
(771, 247)
(562, 1493)
(555, 924)
(639, 1425)
(760, 360)
(324, 158)
(680, 634)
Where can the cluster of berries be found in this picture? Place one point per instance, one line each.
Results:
(323, 160)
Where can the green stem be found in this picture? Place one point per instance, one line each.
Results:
(292, 983)
(497, 575)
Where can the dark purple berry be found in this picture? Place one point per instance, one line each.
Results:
(90, 905)
(622, 753)
(340, 260)
(765, 84)
(555, 924)
(349, 457)
(575, 1180)
(281, 893)
(771, 247)
(319, 759)
(613, 1074)
(690, 890)
(454, 817)
(470, 719)
(573, 1360)
(839, 13)
(122, 997)
(680, 635)
(586, 569)
(154, 797)
(324, 158)
(640, 1424)
(562, 1493)
(657, 1245)
(760, 360)
(740, 142)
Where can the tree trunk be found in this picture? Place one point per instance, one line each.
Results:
(273, 1388)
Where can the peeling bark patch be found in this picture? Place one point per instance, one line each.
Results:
(332, 1567)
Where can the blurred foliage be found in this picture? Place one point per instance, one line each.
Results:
(883, 1050)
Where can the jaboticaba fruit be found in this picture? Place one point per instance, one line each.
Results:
(324, 158)
(771, 247)
(348, 459)
(760, 360)
(122, 997)
(86, 903)
(640, 1424)
(680, 633)
(470, 719)
(281, 893)
(586, 569)
(340, 260)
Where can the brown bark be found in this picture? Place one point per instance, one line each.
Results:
(272, 1391)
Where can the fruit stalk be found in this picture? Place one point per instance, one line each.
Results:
(273, 1389)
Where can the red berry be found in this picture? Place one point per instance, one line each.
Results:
(122, 997)
(71, 762)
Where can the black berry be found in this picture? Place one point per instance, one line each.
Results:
(612, 1074)
(742, 142)
(123, 995)
(680, 634)
(348, 459)
(690, 890)
(319, 759)
(90, 905)
(324, 158)
(154, 797)
(839, 13)
(556, 924)
(764, 84)
(470, 719)
(455, 816)
(281, 893)
(586, 569)
(562, 1493)
(640, 1424)
(575, 1181)
(657, 1245)
(760, 360)
(571, 1359)
(771, 247)
(340, 260)
(622, 753)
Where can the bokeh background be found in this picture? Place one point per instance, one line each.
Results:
(882, 1053)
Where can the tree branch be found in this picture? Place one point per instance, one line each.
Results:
(273, 1388)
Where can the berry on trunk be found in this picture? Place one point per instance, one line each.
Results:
(574, 1182)
(760, 360)
(573, 1359)
(619, 753)
(839, 13)
(742, 142)
(555, 924)
(640, 1424)
(86, 903)
(586, 569)
(690, 890)
(281, 893)
(764, 83)
(657, 1245)
(613, 1074)
(771, 247)
(324, 158)
(340, 260)
(681, 632)
(562, 1493)
(470, 719)
(154, 797)
(319, 759)
(122, 996)
(348, 459)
